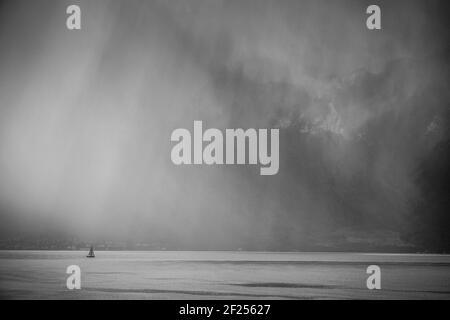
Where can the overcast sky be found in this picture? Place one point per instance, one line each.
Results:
(86, 118)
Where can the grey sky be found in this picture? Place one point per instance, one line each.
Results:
(86, 118)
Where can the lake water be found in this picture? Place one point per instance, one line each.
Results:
(222, 275)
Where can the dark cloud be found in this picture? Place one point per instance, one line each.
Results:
(86, 119)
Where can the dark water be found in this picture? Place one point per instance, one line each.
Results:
(222, 275)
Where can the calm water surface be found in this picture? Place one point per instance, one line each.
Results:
(221, 275)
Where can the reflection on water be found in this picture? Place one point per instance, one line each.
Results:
(222, 275)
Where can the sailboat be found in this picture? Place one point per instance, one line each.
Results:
(91, 253)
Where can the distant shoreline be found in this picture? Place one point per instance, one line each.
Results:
(244, 251)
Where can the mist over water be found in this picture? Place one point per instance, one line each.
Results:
(86, 118)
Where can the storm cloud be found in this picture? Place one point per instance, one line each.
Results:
(86, 118)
